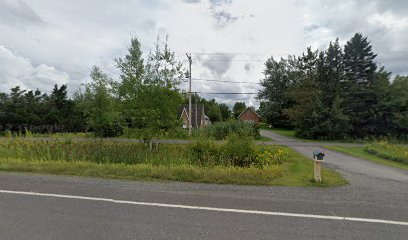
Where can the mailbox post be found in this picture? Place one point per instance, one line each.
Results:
(318, 159)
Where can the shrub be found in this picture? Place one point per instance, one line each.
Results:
(238, 151)
(220, 130)
(139, 133)
(109, 130)
(204, 151)
(271, 155)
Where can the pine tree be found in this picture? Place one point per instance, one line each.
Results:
(359, 100)
(274, 95)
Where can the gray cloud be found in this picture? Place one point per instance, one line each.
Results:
(217, 3)
(17, 70)
(192, 1)
(248, 67)
(18, 13)
(78, 34)
(220, 13)
(311, 28)
(218, 64)
(385, 24)
(224, 18)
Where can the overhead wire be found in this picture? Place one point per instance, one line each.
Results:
(224, 81)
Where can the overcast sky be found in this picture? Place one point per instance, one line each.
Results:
(47, 42)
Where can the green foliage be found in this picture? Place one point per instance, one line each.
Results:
(96, 151)
(204, 151)
(173, 133)
(274, 95)
(148, 94)
(239, 151)
(132, 72)
(221, 130)
(103, 116)
(134, 161)
(225, 111)
(394, 152)
(238, 108)
(24, 110)
(398, 103)
(215, 111)
(272, 155)
(236, 150)
(334, 94)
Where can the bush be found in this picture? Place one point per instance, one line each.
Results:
(236, 151)
(239, 151)
(272, 155)
(140, 133)
(220, 130)
(204, 152)
(109, 130)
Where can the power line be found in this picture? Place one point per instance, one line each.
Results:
(224, 81)
(222, 93)
(229, 53)
(231, 60)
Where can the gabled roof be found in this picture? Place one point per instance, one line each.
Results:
(197, 110)
(250, 108)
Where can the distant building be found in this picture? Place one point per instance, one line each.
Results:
(199, 119)
(250, 116)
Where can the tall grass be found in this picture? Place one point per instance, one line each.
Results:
(237, 161)
(221, 130)
(394, 152)
(235, 151)
(92, 151)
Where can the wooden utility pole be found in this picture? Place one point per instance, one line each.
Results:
(189, 96)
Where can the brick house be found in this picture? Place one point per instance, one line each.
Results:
(199, 119)
(249, 115)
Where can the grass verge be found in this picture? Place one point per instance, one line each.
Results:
(361, 153)
(291, 134)
(283, 132)
(298, 171)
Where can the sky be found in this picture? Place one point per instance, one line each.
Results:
(47, 42)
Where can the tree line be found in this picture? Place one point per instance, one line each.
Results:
(341, 92)
(146, 96)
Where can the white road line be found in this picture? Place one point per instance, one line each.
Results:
(285, 214)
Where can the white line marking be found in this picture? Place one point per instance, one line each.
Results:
(367, 220)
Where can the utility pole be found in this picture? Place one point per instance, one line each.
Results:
(189, 96)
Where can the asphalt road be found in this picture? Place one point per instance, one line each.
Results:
(360, 172)
(47, 217)
(58, 207)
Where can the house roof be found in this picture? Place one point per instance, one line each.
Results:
(250, 108)
(197, 110)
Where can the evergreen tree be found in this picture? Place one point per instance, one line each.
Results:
(279, 77)
(398, 103)
(360, 72)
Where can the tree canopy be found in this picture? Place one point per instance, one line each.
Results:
(340, 92)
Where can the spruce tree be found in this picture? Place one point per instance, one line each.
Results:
(359, 99)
